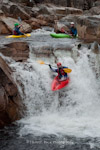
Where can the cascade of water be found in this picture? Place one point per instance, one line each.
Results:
(73, 110)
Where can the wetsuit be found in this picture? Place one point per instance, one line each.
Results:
(60, 72)
(16, 31)
(73, 31)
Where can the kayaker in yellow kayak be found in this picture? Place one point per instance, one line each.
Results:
(16, 30)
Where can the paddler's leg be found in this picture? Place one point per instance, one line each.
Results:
(58, 79)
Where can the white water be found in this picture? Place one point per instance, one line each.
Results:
(74, 110)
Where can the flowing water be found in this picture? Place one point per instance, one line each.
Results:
(66, 119)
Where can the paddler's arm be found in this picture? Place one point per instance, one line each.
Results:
(64, 67)
(54, 70)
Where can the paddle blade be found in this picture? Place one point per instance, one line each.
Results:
(67, 70)
(19, 19)
(27, 35)
(40, 62)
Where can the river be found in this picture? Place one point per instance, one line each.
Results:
(66, 119)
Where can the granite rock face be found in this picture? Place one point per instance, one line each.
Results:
(10, 101)
(89, 28)
(11, 105)
(7, 25)
(19, 51)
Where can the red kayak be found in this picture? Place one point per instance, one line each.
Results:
(57, 85)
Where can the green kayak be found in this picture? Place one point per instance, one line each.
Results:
(61, 35)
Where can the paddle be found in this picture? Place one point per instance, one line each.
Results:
(67, 70)
(63, 31)
(20, 20)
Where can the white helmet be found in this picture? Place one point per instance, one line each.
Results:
(72, 23)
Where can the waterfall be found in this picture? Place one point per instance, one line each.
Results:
(74, 110)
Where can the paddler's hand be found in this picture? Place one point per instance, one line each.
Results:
(62, 30)
(50, 66)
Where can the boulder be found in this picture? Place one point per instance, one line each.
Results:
(97, 3)
(89, 28)
(54, 10)
(69, 10)
(43, 9)
(87, 4)
(37, 23)
(5, 9)
(34, 12)
(14, 10)
(65, 23)
(7, 25)
(1, 13)
(58, 26)
(3, 28)
(52, 13)
(17, 11)
(48, 19)
(95, 10)
(95, 47)
(19, 51)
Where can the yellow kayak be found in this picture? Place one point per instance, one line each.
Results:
(19, 36)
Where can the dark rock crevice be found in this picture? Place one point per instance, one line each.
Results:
(11, 105)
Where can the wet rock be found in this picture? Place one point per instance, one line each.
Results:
(65, 23)
(97, 3)
(14, 10)
(43, 15)
(47, 19)
(95, 10)
(7, 25)
(19, 51)
(74, 11)
(3, 28)
(43, 9)
(50, 50)
(1, 13)
(25, 2)
(5, 9)
(3, 97)
(10, 100)
(89, 28)
(34, 12)
(63, 11)
(87, 4)
(17, 11)
(37, 23)
(95, 47)
(58, 26)
(20, 1)
(48, 13)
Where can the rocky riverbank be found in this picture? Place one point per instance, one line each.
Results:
(11, 105)
(38, 15)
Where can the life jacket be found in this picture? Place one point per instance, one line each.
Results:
(73, 30)
(60, 72)
(14, 32)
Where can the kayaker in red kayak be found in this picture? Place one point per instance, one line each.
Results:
(62, 75)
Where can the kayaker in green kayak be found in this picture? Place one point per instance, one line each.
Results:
(73, 30)
(16, 30)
